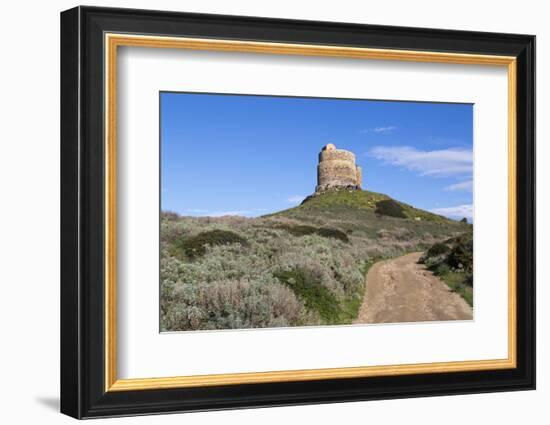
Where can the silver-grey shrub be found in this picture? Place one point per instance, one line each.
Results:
(231, 304)
(234, 286)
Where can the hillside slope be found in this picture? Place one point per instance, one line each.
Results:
(358, 213)
(364, 200)
(301, 266)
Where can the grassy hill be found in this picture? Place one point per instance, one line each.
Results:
(358, 213)
(301, 266)
(362, 200)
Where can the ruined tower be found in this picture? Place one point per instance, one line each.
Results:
(337, 170)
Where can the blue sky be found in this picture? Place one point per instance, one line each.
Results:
(252, 155)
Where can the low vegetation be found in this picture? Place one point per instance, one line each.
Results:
(303, 230)
(390, 208)
(309, 289)
(197, 245)
(230, 272)
(452, 261)
(363, 200)
(302, 266)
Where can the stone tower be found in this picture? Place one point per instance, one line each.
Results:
(337, 170)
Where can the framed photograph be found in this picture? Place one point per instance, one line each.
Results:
(261, 212)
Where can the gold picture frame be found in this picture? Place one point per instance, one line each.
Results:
(114, 41)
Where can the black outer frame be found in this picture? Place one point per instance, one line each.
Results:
(82, 219)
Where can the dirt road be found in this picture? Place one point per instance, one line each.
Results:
(400, 290)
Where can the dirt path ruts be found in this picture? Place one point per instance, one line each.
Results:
(401, 290)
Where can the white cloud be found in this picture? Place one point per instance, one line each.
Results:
(466, 186)
(244, 213)
(459, 211)
(296, 199)
(379, 130)
(445, 162)
(384, 129)
(209, 213)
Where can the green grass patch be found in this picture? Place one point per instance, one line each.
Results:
(455, 281)
(314, 295)
(195, 246)
(365, 267)
(349, 308)
(319, 299)
(355, 198)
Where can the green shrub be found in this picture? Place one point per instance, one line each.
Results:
(461, 255)
(304, 230)
(437, 249)
(452, 261)
(390, 208)
(308, 288)
(195, 246)
(457, 254)
(299, 230)
(333, 233)
(440, 269)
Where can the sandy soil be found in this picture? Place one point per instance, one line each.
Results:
(400, 290)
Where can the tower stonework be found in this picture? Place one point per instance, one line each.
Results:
(337, 170)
